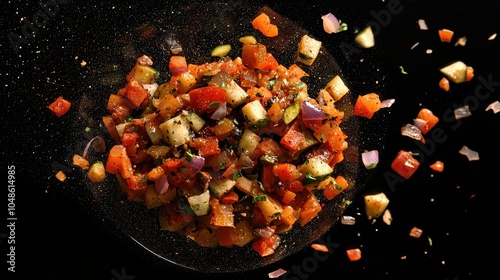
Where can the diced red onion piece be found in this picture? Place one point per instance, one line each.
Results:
(411, 131)
(196, 164)
(370, 159)
(311, 112)
(387, 103)
(161, 184)
(419, 123)
(220, 113)
(470, 154)
(277, 273)
(99, 147)
(179, 70)
(330, 23)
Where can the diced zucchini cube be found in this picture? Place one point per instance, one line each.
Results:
(316, 168)
(248, 142)
(195, 121)
(255, 114)
(308, 50)
(235, 94)
(337, 88)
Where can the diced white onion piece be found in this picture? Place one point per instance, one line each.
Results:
(220, 113)
(387, 103)
(461, 41)
(422, 24)
(176, 49)
(462, 112)
(162, 184)
(428, 51)
(414, 45)
(150, 88)
(277, 273)
(492, 37)
(495, 107)
(370, 159)
(387, 217)
(411, 131)
(470, 154)
(348, 220)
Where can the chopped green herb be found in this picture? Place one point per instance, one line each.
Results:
(214, 104)
(259, 198)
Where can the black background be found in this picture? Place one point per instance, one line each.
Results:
(58, 236)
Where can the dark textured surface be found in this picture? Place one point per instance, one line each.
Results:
(77, 230)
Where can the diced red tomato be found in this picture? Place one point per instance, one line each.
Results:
(178, 64)
(430, 120)
(437, 166)
(229, 198)
(119, 162)
(206, 146)
(366, 105)
(293, 137)
(405, 164)
(310, 209)
(207, 98)
(445, 35)
(255, 56)
(263, 23)
(60, 106)
(354, 254)
(129, 141)
(135, 93)
(266, 246)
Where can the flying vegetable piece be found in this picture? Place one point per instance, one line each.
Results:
(375, 204)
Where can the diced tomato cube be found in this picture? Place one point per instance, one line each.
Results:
(405, 164)
(60, 106)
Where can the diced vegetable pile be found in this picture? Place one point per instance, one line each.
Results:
(230, 152)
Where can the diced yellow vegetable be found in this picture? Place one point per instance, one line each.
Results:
(375, 205)
(365, 38)
(97, 172)
(337, 88)
(151, 197)
(270, 207)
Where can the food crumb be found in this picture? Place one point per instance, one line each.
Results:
(83, 63)
(492, 37)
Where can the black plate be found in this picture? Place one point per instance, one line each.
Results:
(77, 228)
